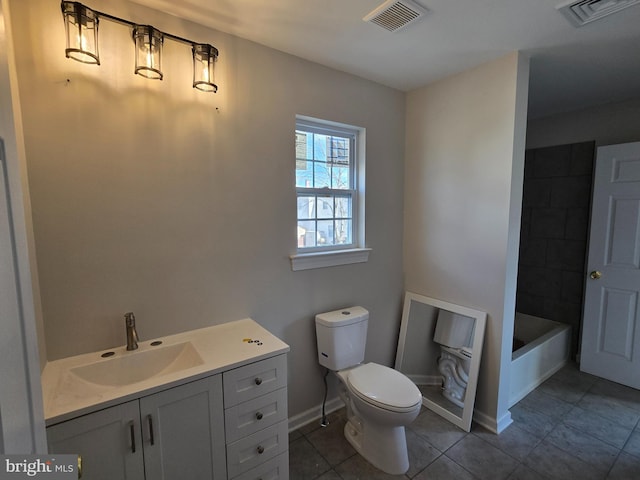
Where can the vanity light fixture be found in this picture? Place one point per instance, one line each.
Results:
(81, 27)
(204, 57)
(148, 42)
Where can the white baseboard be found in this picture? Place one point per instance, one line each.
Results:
(491, 423)
(314, 414)
(426, 379)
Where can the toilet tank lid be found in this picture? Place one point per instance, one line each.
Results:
(342, 317)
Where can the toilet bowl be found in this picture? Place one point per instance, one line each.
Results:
(380, 401)
(454, 332)
(454, 364)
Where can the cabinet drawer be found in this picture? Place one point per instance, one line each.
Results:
(249, 417)
(275, 469)
(251, 451)
(255, 379)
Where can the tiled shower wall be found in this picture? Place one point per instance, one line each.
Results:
(554, 233)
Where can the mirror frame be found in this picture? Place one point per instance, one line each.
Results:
(463, 421)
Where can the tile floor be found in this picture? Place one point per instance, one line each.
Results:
(573, 426)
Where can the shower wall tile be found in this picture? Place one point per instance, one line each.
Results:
(554, 233)
(548, 222)
(570, 192)
(533, 252)
(572, 287)
(566, 255)
(529, 157)
(536, 193)
(582, 159)
(529, 303)
(539, 281)
(577, 226)
(552, 162)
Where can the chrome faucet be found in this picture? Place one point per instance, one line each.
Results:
(132, 334)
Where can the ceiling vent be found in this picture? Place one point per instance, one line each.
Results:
(585, 11)
(394, 15)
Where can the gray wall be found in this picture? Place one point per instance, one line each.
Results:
(180, 206)
(463, 192)
(604, 124)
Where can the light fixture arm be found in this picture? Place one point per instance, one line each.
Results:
(124, 21)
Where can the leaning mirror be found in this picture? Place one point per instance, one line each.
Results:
(439, 349)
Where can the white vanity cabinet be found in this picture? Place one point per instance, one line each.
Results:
(256, 426)
(209, 404)
(174, 434)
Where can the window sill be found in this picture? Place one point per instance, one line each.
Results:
(307, 261)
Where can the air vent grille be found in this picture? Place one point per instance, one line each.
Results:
(585, 11)
(394, 15)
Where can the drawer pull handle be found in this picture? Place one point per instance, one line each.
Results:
(259, 416)
(151, 439)
(260, 449)
(258, 381)
(132, 433)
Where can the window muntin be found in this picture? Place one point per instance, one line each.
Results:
(326, 187)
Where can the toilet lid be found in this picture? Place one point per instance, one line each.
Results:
(384, 387)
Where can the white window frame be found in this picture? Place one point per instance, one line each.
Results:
(328, 256)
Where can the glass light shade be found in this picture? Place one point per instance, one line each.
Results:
(148, 42)
(204, 58)
(81, 27)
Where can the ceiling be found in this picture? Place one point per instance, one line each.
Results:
(571, 67)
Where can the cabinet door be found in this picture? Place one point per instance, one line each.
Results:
(183, 432)
(108, 441)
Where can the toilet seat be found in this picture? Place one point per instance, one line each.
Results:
(384, 387)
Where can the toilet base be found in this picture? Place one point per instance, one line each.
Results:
(383, 447)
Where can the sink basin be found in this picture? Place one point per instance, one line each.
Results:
(136, 366)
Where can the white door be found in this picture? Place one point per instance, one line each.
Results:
(611, 327)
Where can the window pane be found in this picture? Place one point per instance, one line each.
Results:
(322, 175)
(339, 150)
(340, 177)
(306, 207)
(325, 232)
(343, 231)
(343, 207)
(304, 145)
(319, 147)
(325, 207)
(304, 173)
(306, 234)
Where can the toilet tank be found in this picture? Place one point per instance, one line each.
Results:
(453, 329)
(341, 337)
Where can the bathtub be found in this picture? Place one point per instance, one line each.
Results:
(545, 351)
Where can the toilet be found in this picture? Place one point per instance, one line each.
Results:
(380, 401)
(454, 333)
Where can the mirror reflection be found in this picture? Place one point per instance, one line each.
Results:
(439, 349)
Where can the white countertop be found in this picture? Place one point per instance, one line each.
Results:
(221, 347)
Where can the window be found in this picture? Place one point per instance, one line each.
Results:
(329, 171)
